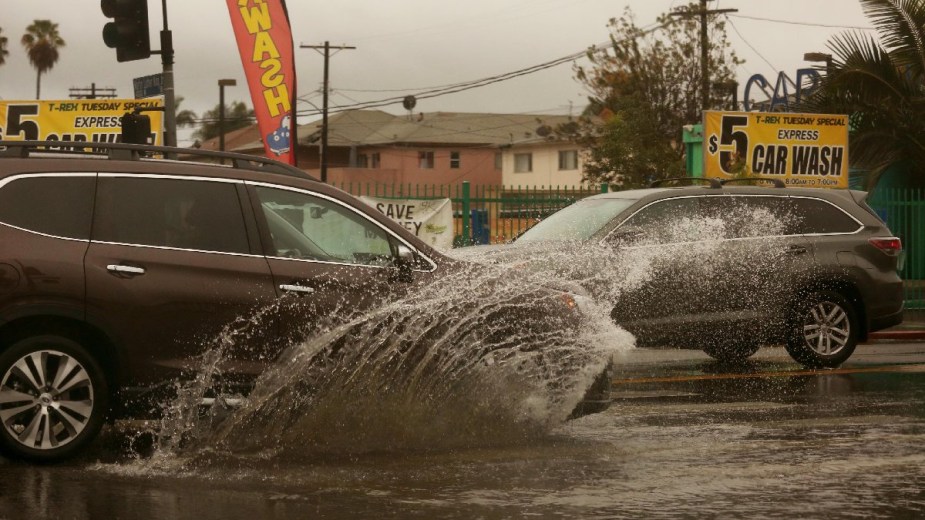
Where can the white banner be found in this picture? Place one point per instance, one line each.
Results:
(430, 220)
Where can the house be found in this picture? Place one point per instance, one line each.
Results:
(438, 148)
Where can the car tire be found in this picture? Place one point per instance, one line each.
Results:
(824, 330)
(731, 353)
(53, 398)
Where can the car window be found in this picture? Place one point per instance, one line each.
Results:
(819, 216)
(579, 221)
(747, 216)
(665, 221)
(183, 214)
(314, 228)
(55, 205)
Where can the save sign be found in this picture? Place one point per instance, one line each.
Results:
(808, 150)
(429, 220)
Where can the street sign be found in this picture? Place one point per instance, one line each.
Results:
(149, 86)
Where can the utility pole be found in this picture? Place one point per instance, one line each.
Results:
(170, 107)
(702, 12)
(326, 52)
(91, 93)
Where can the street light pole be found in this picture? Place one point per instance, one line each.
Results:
(820, 57)
(222, 83)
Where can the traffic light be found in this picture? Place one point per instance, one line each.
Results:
(128, 32)
(136, 128)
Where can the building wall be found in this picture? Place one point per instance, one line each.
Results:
(401, 165)
(545, 170)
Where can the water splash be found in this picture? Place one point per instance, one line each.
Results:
(486, 355)
(479, 357)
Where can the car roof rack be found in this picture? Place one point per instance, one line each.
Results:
(714, 183)
(135, 152)
(776, 182)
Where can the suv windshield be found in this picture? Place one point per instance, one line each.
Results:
(577, 222)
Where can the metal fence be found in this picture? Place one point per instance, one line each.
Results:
(485, 214)
(497, 214)
(903, 209)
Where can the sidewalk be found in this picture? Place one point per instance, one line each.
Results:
(905, 331)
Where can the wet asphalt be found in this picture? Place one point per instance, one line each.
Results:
(686, 437)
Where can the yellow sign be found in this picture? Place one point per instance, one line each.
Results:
(75, 120)
(805, 150)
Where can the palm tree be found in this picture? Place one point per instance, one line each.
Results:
(881, 85)
(185, 117)
(42, 42)
(237, 115)
(3, 52)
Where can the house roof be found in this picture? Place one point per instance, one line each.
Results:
(375, 127)
(234, 139)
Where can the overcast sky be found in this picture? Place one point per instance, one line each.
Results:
(402, 46)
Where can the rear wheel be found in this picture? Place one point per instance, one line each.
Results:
(53, 398)
(824, 331)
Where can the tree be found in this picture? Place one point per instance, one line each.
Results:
(3, 51)
(185, 117)
(643, 89)
(237, 115)
(42, 42)
(881, 86)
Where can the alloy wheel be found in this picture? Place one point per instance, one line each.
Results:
(826, 328)
(46, 399)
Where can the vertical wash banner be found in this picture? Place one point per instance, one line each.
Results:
(262, 30)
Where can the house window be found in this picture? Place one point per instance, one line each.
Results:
(362, 161)
(499, 160)
(374, 160)
(454, 160)
(568, 159)
(426, 160)
(523, 162)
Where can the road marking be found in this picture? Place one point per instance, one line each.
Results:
(757, 375)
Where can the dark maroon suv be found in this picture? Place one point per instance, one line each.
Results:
(115, 267)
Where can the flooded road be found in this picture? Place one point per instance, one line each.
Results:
(686, 437)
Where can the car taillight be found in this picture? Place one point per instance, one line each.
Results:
(892, 246)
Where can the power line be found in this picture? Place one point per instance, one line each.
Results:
(750, 46)
(463, 86)
(806, 24)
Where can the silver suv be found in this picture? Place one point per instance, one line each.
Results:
(814, 269)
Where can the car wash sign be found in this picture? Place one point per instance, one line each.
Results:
(74, 120)
(806, 150)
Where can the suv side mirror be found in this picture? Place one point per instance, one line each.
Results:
(404, 261)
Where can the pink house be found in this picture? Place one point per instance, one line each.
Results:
(438, 148)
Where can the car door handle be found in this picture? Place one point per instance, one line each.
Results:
(125, 269)
(797, 250)
(289, 287)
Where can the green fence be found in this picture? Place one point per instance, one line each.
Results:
(903, 209)
(484, 214)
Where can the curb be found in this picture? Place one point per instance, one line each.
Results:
(902, 335)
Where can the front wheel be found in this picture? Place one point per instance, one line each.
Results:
(53, 398)
(824, 331)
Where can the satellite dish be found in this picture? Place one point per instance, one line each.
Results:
(409, 102)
